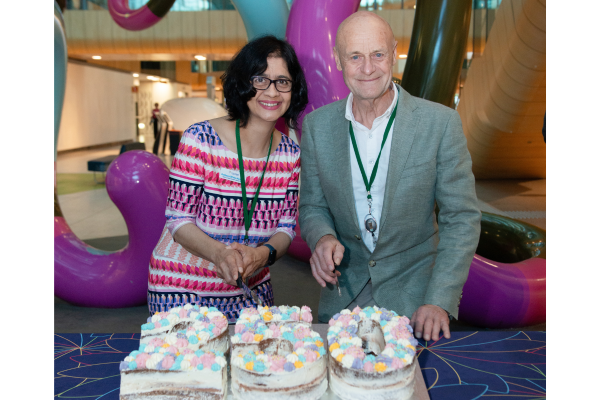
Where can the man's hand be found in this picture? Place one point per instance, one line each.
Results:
(229, 265)
(328, 253)
(252, 258)
(428, 320)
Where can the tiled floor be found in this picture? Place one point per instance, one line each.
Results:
(94, 218)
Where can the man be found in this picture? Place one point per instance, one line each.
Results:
(156, 123)
(385, 241)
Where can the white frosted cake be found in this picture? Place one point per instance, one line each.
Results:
(204, 327)
(181, 356)
(371, 353)
(152, 373)
(277, 361)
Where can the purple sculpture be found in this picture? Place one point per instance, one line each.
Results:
(142, 18)
(311, 29)
(137, 182)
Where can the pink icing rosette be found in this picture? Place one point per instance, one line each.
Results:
(397, 363)
(219, 322)
(356, 352)
(195, 361)
(239, 328)
(311, 356)
(168, 362)
(156, 342)
(368, 366)
(207, 359)
(157, 325)
(181, 343)
(247, 337)
(141, 359)
(306, 316)
(298, 344)
(277, 363)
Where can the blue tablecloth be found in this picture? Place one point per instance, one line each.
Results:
(470, 365)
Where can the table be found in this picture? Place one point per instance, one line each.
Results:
(497, 365)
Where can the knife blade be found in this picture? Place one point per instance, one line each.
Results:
(249, 294)
(337, 282)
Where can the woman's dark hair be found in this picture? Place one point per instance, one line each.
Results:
(250, 61)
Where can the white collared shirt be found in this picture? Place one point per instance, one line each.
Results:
(368, 142)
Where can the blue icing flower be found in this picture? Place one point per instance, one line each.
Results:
(302, 358)
(322, 350)
(248, 357)
(193, 339)
(383, 323)
(285, 316)
(345, 346)
(164, 322)
(213, 309)
(259, 366)
(147, 326)
(289, 367)
(179, 358)
(132, 365)
(181, 335)
(123, 366)
(357, 364)
(149, 319)
(400, 354)
(288, 336)
(356, 317)
(410, 329)
(176, 366)
(159, 366)
(142, 347)
(413, 341)
(352, 329)
(336, 316)
(199, 353)
(218, 353)
(330, 340)
(384, 359)
(370, 358)
(211, 327)
(215, 367)
(200, 367)
(134, 353)
(312, 347)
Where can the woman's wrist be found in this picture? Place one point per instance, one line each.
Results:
(264, 255)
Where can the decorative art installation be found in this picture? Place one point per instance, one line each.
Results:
(142, 18)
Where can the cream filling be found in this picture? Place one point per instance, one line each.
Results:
(148, 381)
(278, 380)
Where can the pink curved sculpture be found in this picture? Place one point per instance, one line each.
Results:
(142, 18)
(137, 182)
(498, 295)
(311, 29)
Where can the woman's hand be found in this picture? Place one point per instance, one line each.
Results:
(252, 258)
(229, 264)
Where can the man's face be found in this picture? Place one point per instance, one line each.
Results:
(366, 54)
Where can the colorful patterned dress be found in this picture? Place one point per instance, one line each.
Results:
(204, 189)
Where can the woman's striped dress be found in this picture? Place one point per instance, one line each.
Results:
(205, 190)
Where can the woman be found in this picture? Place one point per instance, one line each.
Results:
(209, 240)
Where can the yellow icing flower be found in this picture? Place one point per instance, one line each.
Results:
(258, 338)
(332, 347)
(165, 345)
(340, 356)
(377, 312)
(239, 355)
(410, 346)
(250, 365)
(319, 343)
(298, 364)
(268, 316)
(380, 367)
(178, 353)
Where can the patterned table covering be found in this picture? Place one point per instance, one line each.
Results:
(470, 365)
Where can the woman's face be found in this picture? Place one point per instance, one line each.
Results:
(270, 104)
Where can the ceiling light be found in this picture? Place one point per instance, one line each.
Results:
(152, 78)
(201, 58)
(97, 57)
(415, 6)
(164, 80)
(136, 75)
(402, 56)
(141, 125)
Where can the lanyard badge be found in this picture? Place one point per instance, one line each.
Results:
(248, 213)
(370, 221)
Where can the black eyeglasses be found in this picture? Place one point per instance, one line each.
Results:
(262, 83)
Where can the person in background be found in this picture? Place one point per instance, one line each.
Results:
(155, 122)
(374, 167)
(233, 188)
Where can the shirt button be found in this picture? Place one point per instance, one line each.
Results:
(371, 161)
(372, 263)
(370, 135)
(357, 237)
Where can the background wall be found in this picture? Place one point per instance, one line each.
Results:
(99, 107)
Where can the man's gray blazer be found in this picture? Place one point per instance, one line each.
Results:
(417, 260)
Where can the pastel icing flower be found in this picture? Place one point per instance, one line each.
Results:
(157, 325)
(268, 316)
(277, 364)
(318, 343)
(132, 365)
(368, 366)
(356, 352)
(181, 343)
(123, 366)
(339, 356)
(141, 359)
(289, 367)
(311, 356)
(380, 367)
(239, 327)
(168, 361)
(298, 364)
(247, 337)
(306, 316)
(332, 347)
(294, 316)
(298, 345)
(357, 364)
(258, 338)
(397, 363)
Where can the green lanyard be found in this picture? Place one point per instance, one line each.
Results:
(369, 182)
(248, 213)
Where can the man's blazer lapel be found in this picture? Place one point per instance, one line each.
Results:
(405, 127)
(341, 159)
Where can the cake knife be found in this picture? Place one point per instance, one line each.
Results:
(337, 282)
(249, 294)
